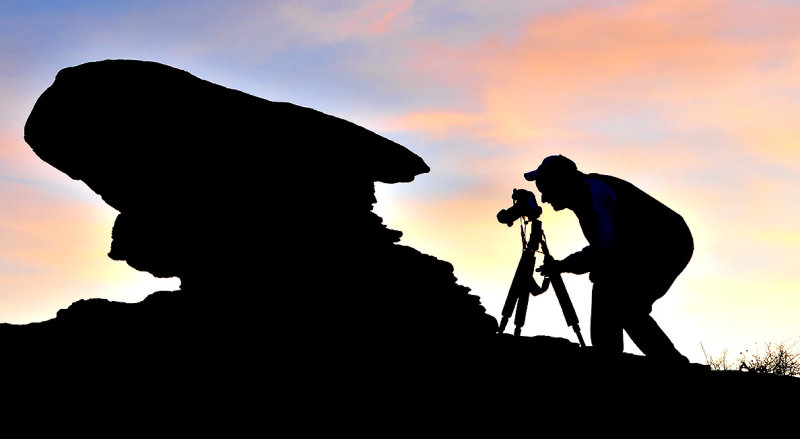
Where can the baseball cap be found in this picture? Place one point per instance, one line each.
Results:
(552, 165)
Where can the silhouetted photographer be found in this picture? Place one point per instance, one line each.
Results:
(637, 247)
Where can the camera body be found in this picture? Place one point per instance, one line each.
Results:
(524, 206)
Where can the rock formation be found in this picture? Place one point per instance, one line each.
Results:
(262, 209)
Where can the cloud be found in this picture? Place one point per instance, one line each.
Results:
(334, 23)
(691, 66)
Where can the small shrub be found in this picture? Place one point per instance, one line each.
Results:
(777, 358)
(719, 363)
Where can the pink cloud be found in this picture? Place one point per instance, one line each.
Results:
(18, 161)
(336, 24)
(379, 17)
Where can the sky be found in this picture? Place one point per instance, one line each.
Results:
(695, 102)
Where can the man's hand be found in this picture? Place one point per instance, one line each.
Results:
(550, 267)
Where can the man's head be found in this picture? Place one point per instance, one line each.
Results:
(556, 178)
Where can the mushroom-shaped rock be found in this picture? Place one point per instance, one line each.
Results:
(203, 174)
(263, 207)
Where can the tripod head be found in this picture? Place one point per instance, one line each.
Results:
(525, 209)
(524, 206)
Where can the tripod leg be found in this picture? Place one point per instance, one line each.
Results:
(508, 310)
(518, 292)
(563, 298)
(577, 329)
(522, 311)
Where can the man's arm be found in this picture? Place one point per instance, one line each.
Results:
(579, 263)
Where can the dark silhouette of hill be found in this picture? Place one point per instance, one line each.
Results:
(292, 288)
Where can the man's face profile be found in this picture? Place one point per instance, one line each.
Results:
(552, 193)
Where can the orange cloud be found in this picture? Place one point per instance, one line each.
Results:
(681, 63)
(54, 253)
(436, 123)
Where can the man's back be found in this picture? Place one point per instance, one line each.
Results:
(631, 226)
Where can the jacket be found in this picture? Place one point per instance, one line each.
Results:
(627, 230)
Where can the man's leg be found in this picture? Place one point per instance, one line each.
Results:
(614, 308)
(641, 327)
(648, 285)
(606, 325)
(650, 339)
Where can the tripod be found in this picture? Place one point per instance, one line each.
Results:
(524, 284)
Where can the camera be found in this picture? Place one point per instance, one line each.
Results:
(524, 206)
